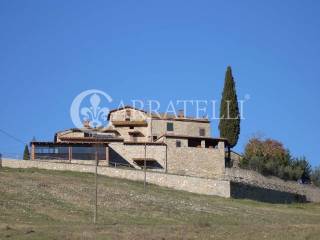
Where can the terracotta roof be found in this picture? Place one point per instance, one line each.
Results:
(88, 130)
(192, 137)
(143, 143)
(136, 133)
(90, 139)
(64, 144)
(109, 130)
(162, 116)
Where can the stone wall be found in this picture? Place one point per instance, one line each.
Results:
(253, 178)
(235, 183)
(82, 162)
(180, 127)
(121, 115)
(185, 183)
(184, 160)
(203, 162)
(253, 192)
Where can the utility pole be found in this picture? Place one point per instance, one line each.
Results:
(145, 168)
(96, 186)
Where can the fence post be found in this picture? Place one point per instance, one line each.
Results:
(95, 216)
(70, 154)
(0, 160)
(32, 152)
(166, 171)
(107, 155)
(145, 168)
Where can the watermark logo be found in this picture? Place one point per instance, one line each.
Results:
(90, 106)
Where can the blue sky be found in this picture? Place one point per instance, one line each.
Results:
(50, 51)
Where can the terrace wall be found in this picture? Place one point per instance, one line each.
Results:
(251, 178)
(185, 183)
(235, 183)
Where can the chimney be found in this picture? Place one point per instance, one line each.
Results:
(181, 114)
(86, 124)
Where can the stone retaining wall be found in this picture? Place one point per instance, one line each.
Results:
(185, 183)
(253, 192)
(236, 183)
(253, 178)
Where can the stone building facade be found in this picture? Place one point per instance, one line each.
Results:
(135, 138)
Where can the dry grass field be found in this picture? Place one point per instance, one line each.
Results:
(40, 204)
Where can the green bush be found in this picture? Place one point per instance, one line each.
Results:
(315, 176)
(269, 157)
(26, 154)
(302, 169)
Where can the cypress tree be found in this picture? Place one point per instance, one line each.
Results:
(229, 125)
(26, 154)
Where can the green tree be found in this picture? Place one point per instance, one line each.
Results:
(315, 176)
(303, 165)
(270, 157)
(229, 124)
(26, 154)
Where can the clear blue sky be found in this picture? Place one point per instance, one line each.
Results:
(52, 50)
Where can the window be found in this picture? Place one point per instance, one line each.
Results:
(88, 134)
(134, 138)
(131, 127)
(128, 115)
(155, 138)
(178, 143)
(202, 132)
(169, 126)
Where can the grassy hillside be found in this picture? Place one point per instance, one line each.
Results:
(39, 204)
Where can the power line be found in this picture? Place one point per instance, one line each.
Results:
(11, 136)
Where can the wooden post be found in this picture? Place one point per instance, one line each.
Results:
(0, 160)
(166, 158)
(107, 155)
(32, 152)
(145, 168)
(70, 153)
(96, 187)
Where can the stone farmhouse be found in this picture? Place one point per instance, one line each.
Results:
(135, 138)
(178, 152)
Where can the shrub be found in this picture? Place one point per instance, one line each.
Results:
(26, 154)
(269, 157)
(302, 168)
(315, 176)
